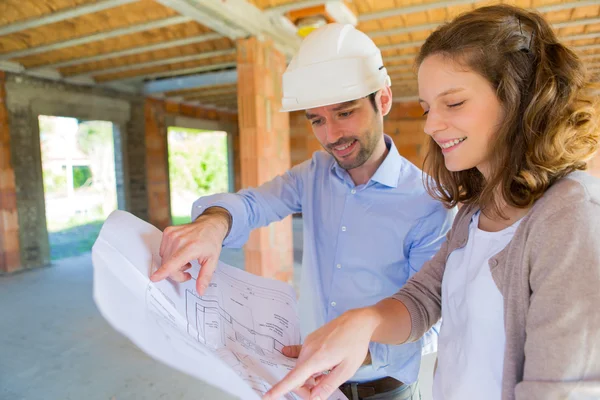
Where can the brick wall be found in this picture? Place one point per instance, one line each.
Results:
(405, 124)
(264, 149)
(10, 252)
(299, 133)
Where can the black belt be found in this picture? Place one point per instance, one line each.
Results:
(368, 389)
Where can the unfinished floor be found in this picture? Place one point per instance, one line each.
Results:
(54, 344)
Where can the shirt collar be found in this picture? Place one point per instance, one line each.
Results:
(388, 172)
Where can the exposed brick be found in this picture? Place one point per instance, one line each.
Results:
(264, 149)
(157, 172)
(10, 247)
(411, 110)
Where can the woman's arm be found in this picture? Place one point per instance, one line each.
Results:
(562, 347)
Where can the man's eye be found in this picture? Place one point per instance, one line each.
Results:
(345, 114)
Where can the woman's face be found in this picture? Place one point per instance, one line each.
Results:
(463, 112)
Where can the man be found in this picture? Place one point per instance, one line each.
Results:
(369, 224)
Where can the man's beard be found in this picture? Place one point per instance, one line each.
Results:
(366, 148)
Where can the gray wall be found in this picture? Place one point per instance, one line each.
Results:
(26, 98)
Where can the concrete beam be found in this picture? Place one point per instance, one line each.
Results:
(95, 37)
(293, 6)
(236, 19)
(587, 47)
(129, 52)
(429, 26)
(412, 9)
(51, 74)
(184, 71)
(192, 81)
(443, 4)
(576, 22)
(419, 43)
(155, 63)
(58, 16)
(582, 36)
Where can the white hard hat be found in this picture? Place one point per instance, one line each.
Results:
(335, 63)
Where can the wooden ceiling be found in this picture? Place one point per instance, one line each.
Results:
(126, 43)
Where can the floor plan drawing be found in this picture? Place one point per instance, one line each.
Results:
(231, 337)
(246, 323)
(208, 319)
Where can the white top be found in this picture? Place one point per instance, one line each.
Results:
(472, 340)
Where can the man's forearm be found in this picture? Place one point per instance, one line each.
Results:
(220, 215)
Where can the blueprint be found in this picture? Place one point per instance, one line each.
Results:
(231, 337)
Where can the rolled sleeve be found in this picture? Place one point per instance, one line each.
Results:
(257, 207)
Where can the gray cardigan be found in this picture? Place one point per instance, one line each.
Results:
(549, 276)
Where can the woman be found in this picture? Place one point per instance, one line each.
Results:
(517, 283)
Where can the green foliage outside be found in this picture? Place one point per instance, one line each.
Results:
(181, 219)
(198, 166)
(197, 161)
(81, 176)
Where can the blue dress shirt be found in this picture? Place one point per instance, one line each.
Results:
(361, 243)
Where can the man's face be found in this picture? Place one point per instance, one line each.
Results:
(348, 131)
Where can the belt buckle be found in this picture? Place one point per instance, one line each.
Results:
(362, 390)
(368, 389)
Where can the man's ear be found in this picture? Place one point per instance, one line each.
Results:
(385, 100)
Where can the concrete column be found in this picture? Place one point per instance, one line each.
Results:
(10, 257)
(134, 161)
(264, 149)
(159, 202)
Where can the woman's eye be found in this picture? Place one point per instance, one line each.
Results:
(456, 104)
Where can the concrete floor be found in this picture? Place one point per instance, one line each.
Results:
(54, 345)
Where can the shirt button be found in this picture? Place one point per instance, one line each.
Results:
(343, 229)
(353, 191)
(333, 304)
(338, 266)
